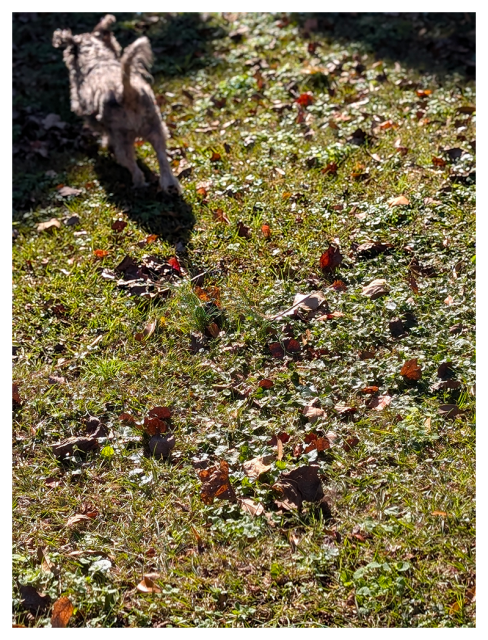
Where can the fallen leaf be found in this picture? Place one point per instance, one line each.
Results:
(338, 285)
(423, 93)
(344, 410)
(220, 216)
(70, 445)
(154, 426)
(439, 513)
(215, 157)
(378, 403)
(449, 411)
(438, 162)
(305, 99)
(370, 390)
(276, 350)
(444, 385)
(255, 467)
(32, 600)
(127, 418)
(449, 301)
(146, 585)
(160, 412)
(79, 517)
(147, 331)
(467, 109)
(173, 262)
(396, 327)
(283, 436)
(161, 446)
(399, 201)
(350, 443)
(372, 249)
(298, 485)
(243, 231)
(331, 168)
(100, 253)
(376, 289)
(265, 383)
(119, 225)
(253, 508)
(330, 259)
(52, 483)
(216, 484)
(411, 370)
(62, 612)
(266, 231)
(15, 395)
(313, 413)
(68, 191)
(49, 225)
(213, 329)
(291, 345)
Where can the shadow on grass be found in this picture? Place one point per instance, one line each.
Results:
(437, 43)
(169, 217)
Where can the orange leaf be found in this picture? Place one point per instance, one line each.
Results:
(100, 253)
(439, 513)
(423, 93)
(151, 238)
(370, 390)
(305, 99)
(62, 612)
(330, 259)
(438, 162)
(266, 231)
(148, 586)
(401, 200)
(215, 157)
(411, 370)
(449, 300)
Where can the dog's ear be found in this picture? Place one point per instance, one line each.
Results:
(105, 24)
(62, 38)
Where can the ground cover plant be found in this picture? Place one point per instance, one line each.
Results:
(253, 405)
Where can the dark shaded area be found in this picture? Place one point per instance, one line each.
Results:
(181, 44)
(430, 42)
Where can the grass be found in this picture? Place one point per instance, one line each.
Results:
(398, 549)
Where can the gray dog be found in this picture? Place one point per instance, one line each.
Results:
(108, 90)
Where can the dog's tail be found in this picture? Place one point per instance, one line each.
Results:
(136, 56)
(62, 38)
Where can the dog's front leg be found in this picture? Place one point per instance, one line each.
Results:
(124, 154)
(167, 180)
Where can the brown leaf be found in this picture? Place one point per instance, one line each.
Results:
(147, 332)
(350, 443)
(15, 394)
(100, 253)
(445, 370)
(330, 259)
(56, 380)
(378, 403)
(49, 225)
(449, 301)
(243, 231)
(400, 201)
(444, 385)
(70, 445)
(146, 585)
(160, 412)
(283, 436)
(32, 600)
(330, 168)
(127, 418)
(438, 162)
(344, 410)
(412, 283)
(62, 612)
(376, 289)
(372, 249)
(411, 370)
(292, 345)
(213, 329)
(79, 517)
(154, 426)
(265, 383)
(161, 446)
(276, 350)
(119, 225)
(253, 508)
(255, 467)
(298, 485)
(220, 216)
(396, 327)
(449, 411)
(216, 484)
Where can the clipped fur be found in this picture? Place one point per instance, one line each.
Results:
(108, 89)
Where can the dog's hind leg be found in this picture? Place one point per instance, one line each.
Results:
(125, 156)
(167, 180)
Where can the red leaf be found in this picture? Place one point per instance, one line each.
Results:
(154, 426)
(276, 350)
(330, 259)
(126, 417)
(305, 99)
(100, 253)
(160, 412)
(265, 383)
(119, 225)
(173, 262)
(411, 370)
(292, 345)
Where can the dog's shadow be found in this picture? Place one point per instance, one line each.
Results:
(169, 217)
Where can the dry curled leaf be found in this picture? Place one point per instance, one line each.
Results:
(147, 585)
(243, 231)
(119, 225)
(265, 383)
(298, 485)
(411, 370)
(32, 600)
(76, 443)
(376, 289)
(400, 201)
(62, 612)
(216, 484)
(312, 413)
(15, 395)
(378, 403)
(350, 443)
(147, 331)
(255, 467)
(49, 225)
(449, 411)
(330, 259)
(80, 517)
(160, 446)
(252, 508)
(276, 350)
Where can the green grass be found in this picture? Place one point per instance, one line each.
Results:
(383, 559)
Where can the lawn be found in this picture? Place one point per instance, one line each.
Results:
(194, 443)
